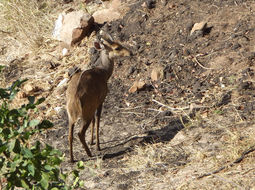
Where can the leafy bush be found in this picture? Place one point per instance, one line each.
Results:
(26, 164)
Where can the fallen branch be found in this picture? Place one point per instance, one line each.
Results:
(171, 108)
(228, 181)
(238, 160)
(195, 59)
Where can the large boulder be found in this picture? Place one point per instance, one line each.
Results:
(112, 10)
(72, 27)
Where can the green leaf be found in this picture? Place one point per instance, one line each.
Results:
(75, 173)
(48, 167)
(55, 161)
(24, 184)
(31, 169)
(31, 99)
(11, 145)
(14, 88)
(76, 181)
(44, 181)
(45, 124)
(17, 83)
(14, 165)
(6, 132)
(27, 153)
(3, 147)
(40, 101)
(14, 146)
(34, 123)
(80, 165)
(1, 67)
(81, 183)
(3, 93)
(55, 152)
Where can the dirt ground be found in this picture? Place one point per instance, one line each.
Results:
(198, 119)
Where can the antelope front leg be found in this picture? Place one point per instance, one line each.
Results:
(92, 130)
(99, 110)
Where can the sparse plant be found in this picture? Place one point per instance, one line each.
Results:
(26, 164)
(28, 23)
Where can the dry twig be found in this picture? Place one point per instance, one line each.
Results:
(230, 165)
(171, 108)
(195, 59)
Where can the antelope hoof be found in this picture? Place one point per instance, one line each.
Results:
(72, 160)
(89, 154)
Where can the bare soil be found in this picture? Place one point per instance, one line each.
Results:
(197, 119)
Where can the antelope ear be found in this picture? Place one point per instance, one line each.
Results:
(97, 45)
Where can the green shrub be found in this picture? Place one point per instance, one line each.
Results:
(26, 164)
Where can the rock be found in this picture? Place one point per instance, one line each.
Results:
(157, 74)
(106, 15)
(110, 13)
(31, 89)
(28, 88)
(236, 46)
(67, 1)
(73, 27)
(131, 70)
(225, 99)
(247, 85)
(198, 27)
(21, 95)
(150, 4)
(62, 82)
(186, 52)
(163, 2)
(165, 113)
(138, 85)
(64, 51)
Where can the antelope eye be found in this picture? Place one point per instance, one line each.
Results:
(118, 48)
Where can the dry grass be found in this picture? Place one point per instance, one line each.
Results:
(213, 138)
(25, 25)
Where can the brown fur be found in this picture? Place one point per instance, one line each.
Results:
(86, 93)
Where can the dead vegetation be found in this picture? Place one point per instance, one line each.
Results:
(192, 128)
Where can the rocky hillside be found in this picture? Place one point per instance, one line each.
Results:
(180, 111)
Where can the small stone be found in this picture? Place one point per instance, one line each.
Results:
(163, 2)
(172, 5)
(198, 27)
(67, 1)
(138, 85)
(157, 74)
(51, 65)
(225, 99)
(28, 88)
(186, 52)
(246, 86)
(62, 82)
(236, 46)
(165, 113)
(131, 70)
(21, 95)
(64, 51)
(150, 4)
